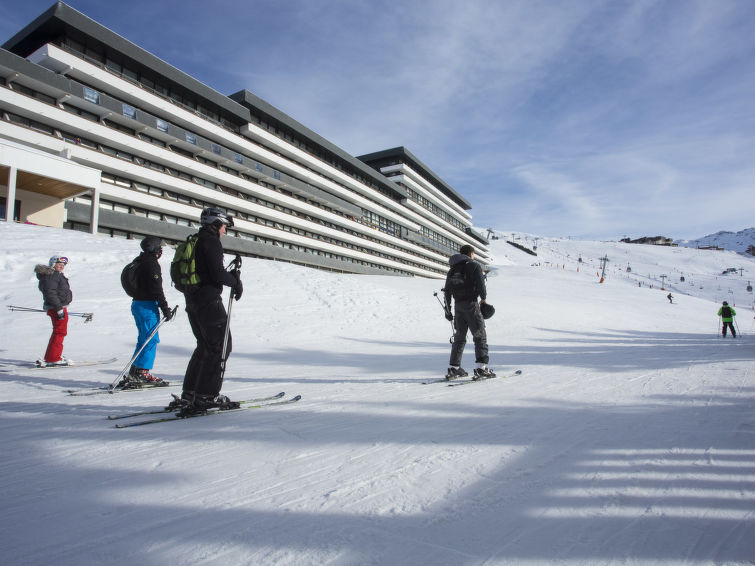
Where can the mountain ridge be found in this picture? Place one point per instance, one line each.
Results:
(733, 241)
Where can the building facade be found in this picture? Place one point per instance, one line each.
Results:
(97, 134)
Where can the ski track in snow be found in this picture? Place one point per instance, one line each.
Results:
(628, 439)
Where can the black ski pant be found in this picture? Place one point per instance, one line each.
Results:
(208, 320)
(730, 324)
(467, 317)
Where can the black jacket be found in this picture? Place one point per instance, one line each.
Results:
(56, 292)
(210, 268)
(475, 280)
(150, 280)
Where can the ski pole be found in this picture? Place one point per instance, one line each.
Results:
(236, 264)
(87, 316)
(446, 308)
(23, 309)
(737, 325)
(139, 351)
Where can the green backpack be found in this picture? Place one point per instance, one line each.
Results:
(183, 268)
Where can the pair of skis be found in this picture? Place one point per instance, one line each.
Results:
(172, 415)
(109, 389)
(113, 388)
(458, 383)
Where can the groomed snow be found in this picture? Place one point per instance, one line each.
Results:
(628, 439)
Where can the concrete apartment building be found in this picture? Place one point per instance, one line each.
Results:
(97, 134)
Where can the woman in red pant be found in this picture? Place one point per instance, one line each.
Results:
(57, 296)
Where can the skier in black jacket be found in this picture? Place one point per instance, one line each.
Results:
(467, 315)
(207, 316)
(148, 301)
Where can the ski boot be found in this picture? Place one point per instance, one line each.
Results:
(483, 372)
(143, 376)
(179, 403)
(138, 378)
(455, 373)
(195, 404)
(225, 404)
(188, 404)
(62, 362)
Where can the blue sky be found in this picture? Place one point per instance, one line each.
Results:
(577, 118)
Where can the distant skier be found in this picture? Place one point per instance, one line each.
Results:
(670, 298)
(465, 283)
(727, 315)
(56, 294)
(148, 301)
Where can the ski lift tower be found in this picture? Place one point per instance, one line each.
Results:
(603, 261)
(663, 282)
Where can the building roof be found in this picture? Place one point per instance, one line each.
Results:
(61, 18)
(406, 156)
(271, 114)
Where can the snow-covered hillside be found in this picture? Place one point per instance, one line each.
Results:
(732, 241)
(629, 438)
(716, 275)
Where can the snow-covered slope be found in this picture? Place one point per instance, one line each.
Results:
(733, 241)
(628, 439)
(716, 275)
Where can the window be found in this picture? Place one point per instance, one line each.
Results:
(80, 112)
(130, 74)
(238, 159)
(91, 95)
(162, 125)
(16, 209)
(191, 138)
(113, 66)
(216, 149)
(129, 111)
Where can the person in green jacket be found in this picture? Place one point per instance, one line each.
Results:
(727, 315)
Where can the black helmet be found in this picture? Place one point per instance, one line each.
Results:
(726, 304)
(212, 215)
(487, 310)
(152, 244)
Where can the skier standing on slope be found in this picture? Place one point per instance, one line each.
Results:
(56, 294)
(148, 301)
(727, 315)
(465, 283)
(208, 318)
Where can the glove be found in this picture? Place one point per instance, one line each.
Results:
(61, 314)
(238, 288)
(167, 314)
(449, 316)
